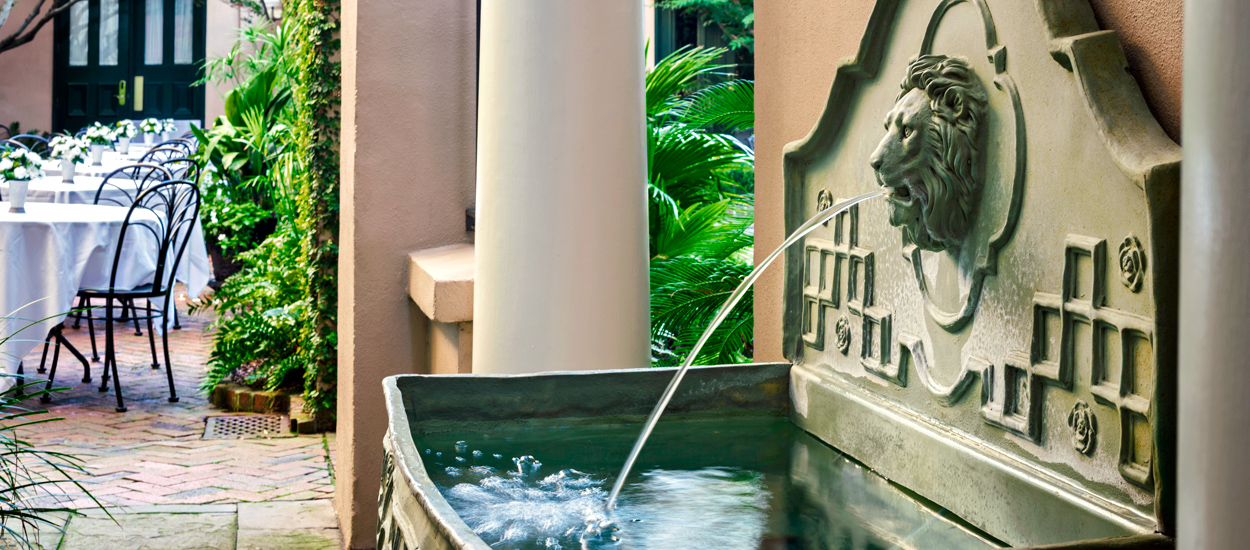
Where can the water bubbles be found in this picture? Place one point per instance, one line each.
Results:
(482, 470)
(526, 465)
(438, 454)
(460, 459)
(477, 454)
(461, 447)
(452, 471)
(427, 451)
(497, 456)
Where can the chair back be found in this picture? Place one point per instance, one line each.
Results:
(167, 212)
(9, 145)
(6, 130)
(32, 142)
(130, 181)
(180, 144)
(183, 168)
(161, 154)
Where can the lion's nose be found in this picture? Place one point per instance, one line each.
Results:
(875, 162)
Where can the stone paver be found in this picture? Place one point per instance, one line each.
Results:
(153, 454)
(156, 531)
(166, 487)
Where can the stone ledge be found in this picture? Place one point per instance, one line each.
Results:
(440, 281)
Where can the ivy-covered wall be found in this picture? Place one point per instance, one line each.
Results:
(317, 95)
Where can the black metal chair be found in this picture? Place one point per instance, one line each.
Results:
(33, 142)
(129, 182)
(167, 212)
(6, 130)
(183, 168)
(158, 155)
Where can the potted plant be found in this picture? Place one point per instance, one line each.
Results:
(150, 127)
(126, 131)
(98, 136)
(70, 151)
(18, 167)
(167, 129)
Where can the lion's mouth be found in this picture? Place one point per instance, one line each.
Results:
(900, 194)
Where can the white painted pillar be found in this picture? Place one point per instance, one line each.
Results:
(561, 280)
(1214, 368)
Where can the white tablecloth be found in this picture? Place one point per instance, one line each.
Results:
(195, 269)
(50, 252)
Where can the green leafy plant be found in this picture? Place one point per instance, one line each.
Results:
(701, 206)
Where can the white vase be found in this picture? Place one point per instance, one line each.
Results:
(97, 154)
(67, 170)
(147, 138)
(164, 137)
(17, 195)
(123, 145)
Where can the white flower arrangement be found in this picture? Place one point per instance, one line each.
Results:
(20, 164)
(126, 129)
(68, 148)
(168, 126)
(99, 134)
(151, 126)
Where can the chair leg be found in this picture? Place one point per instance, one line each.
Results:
(152, 338)
(169, 366)
(95, 356)
(44, 359)
(108, 334)
(110, 355)
(21, 379)
(176, 325)
(56, 355)
(134, 316)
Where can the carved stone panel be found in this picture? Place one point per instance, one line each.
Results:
(1024, 253)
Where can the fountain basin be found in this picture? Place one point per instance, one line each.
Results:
(734, 421)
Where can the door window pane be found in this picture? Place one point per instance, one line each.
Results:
(108, 32)
(183, 18)
(154, 32)
(78, 21)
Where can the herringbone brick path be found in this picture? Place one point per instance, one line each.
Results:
(153, 453)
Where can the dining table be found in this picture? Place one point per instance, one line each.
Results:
(51, 251)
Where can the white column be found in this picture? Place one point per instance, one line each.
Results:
(561, 281)
(1214, 368)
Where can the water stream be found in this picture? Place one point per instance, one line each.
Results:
(738, 293)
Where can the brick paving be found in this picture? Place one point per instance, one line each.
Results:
(153, 454)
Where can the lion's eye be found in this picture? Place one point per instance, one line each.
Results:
(906, 132)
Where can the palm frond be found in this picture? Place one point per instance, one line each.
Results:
(686, 292)
(729, 106)
(677, 73)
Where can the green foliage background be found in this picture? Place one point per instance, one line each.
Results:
(273, 205)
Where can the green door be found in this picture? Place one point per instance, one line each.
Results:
(127, 59)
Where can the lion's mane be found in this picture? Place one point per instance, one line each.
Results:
(953, 180)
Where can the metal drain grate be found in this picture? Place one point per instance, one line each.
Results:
(246, 427)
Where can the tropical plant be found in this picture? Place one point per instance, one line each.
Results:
(259, 314)
(701, 205)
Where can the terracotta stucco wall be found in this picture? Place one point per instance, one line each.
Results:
(798, 45)
(26, 76)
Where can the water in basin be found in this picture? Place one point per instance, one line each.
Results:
(719, 483)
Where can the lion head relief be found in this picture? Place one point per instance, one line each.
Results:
(930, 157)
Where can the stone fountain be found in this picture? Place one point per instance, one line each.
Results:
(998, 336)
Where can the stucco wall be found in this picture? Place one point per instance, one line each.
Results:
(798, 45)
(26, 76)
(408, 156)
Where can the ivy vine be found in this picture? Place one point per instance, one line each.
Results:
(317, 96)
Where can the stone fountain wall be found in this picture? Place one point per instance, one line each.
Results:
(999, 334)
